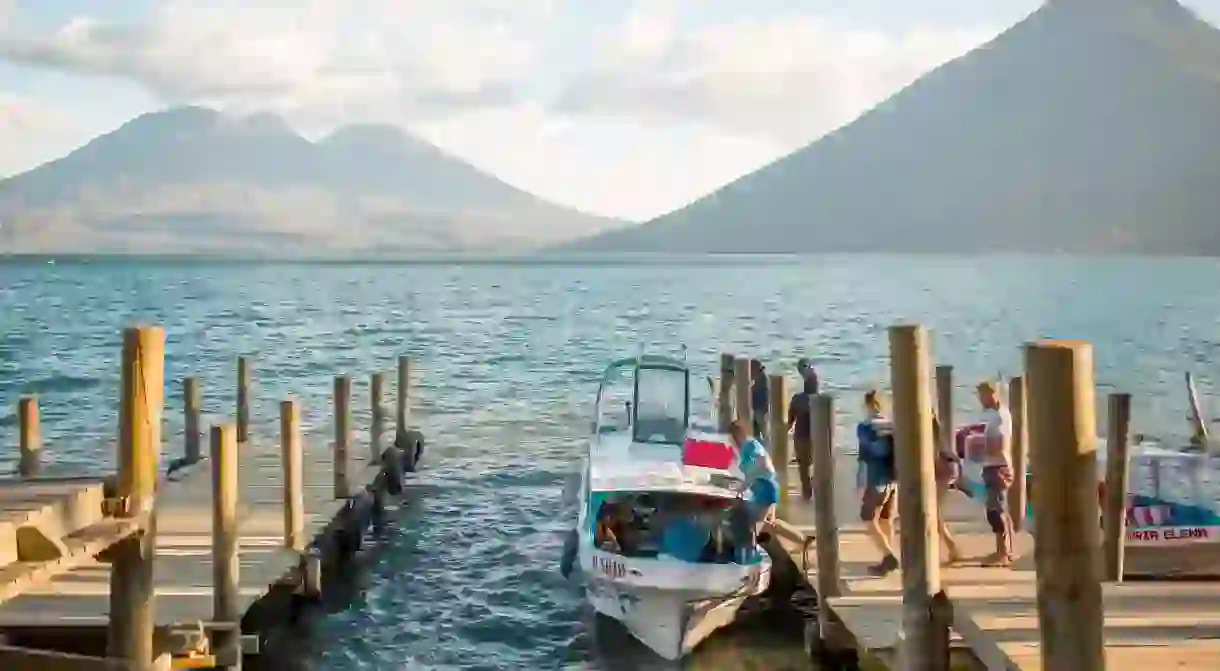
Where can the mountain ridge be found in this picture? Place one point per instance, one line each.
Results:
(1081, 128)
(192, 178)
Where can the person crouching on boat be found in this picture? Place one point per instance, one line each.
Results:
(762, 488)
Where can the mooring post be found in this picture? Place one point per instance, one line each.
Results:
(778, 419)
(291, 458)
(30, 439)
(1062, 441)
(826, 527)
(226, 564)
(192, 401)
(1114, 515)
(141, 404)
(741, 387)
(944, 407)
(403, 415)
(1018, 496)
(377, 423)
(924, 619)
(724, 402)
(343, 396)
(243, 399)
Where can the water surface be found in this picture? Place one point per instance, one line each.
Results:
(508, 357)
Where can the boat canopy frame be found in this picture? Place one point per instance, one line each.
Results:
(637, 364)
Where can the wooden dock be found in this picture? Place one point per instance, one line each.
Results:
(242, 534)
(929, 616)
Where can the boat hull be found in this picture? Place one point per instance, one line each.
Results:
(672, 621)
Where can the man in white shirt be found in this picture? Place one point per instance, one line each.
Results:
(997, 471)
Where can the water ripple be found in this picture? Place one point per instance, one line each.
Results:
(507, 361)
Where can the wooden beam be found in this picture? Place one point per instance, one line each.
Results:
(30, 441)
(741, 389)
(1062, 440)
(192, 402)
(778, 419)
(80, 547)
(141, 404)
(403, 400)
(343, 435)
(226, 564)
(1017, 497)
(294, 488)
(377, 421)
(724, 401)
(826, 527)
(925, 627)
(1114, 514)
(28, 659)
(243, 399)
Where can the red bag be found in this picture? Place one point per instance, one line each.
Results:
(707, 453)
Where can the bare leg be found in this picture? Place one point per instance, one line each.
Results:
(881, 530)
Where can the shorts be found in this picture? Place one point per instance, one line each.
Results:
(878, 502)
(996, 481)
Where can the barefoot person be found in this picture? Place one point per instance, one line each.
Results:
(997, 471)
(879, 496)
(799, 423)
(948, 471)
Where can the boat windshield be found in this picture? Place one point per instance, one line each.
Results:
(662, 408)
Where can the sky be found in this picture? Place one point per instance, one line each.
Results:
(627, 108)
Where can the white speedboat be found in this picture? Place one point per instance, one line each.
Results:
(654, 539)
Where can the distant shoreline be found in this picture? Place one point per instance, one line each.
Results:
(538, 259)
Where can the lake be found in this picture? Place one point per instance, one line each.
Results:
(508, 357)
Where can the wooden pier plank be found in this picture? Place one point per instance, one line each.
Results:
(183, 572)
(1172, 625)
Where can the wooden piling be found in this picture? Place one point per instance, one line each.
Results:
(724, 402)
(826, 527)
(243, 399)
(294, 488)
(1062, 437)
(741, 387)
(141, 404)
(226, 564)
(1114, 514)
(403, 392)
(944, 407)
(778, 419)
(30, 439)
(377, 421)
(925, 628)
(1017, 497)
(192, 402)
(343, 396)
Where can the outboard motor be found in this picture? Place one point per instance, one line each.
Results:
(571, 547)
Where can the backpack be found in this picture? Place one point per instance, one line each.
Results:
(880, 449)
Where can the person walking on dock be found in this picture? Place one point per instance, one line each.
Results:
(799, 423)
(997, 471)
(760, 401)
(948, 472)
(808, 375)
(878, 500)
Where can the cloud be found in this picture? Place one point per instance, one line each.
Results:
(29, 129)
(330, 58)
(624, 108)
(791, 78)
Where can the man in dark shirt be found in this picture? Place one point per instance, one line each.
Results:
(805, 369)
(760, 402)
(800, 424)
